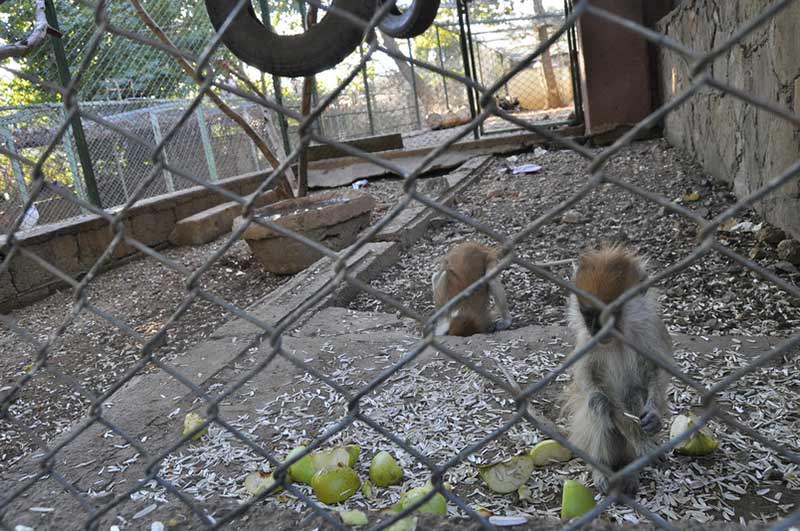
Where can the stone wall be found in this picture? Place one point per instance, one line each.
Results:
(733, 140)
(74, 246)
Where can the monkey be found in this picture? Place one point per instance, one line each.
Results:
(508, 103)
(459, 268)
(617, 398)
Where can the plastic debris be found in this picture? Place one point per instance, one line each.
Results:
(507, 521)
(526, 168)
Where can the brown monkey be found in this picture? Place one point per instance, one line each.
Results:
(461, 267)
(617, 397)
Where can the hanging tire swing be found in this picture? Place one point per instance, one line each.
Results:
(324, 45)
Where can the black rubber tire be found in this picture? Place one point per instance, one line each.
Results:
(412, 22)
(322, 47)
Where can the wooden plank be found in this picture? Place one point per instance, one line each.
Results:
(370, 144)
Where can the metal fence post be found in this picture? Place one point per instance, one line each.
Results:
(414, 84)
(572, 46)
(463, 24)
(168, 181)
(16, 167)
(77, 126)
(69, 149)
(207, 148)
(366, 92)
(80, 189)
(441, 64)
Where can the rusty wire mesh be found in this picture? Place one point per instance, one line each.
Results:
(271, 332)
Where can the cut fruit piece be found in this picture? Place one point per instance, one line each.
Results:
(352, 452)
(257, 482)
(549, 451)
(509, 475)
(335, 485)
(303, 470)
(366, 489)
(384, 470)
(524, 493)
(333, 458)
(354, 518)
(436, 505)
(699, 443)
(191, 422)
(576, 500)
(483, 511)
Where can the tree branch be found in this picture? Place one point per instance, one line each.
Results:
(282, 187)
(32, 41)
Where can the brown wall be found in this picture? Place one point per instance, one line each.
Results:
(615, 68)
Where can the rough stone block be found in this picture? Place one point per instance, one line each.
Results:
(92, 244)
(27, 274)
(7, 289)
(334, 219)
(210, 224)
(402, 228)
(205, 226)
(433, 186)
(789, 250)
(200, 201)
(153, 227)
(62, 252)
(123, 249)
(286, 256)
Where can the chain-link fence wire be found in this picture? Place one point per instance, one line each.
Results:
(132, 82)
(540, 93)
(157, 153)
(212, 146)
(388, 95)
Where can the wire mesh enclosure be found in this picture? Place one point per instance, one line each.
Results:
(92, 413)
(387, 97)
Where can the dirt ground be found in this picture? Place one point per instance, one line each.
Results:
(143, 294)
(712, 297)
(722, 316)
(434, 403)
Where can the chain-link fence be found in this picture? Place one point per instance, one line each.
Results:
(540, 93)
(150, 137)
(131, 82)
